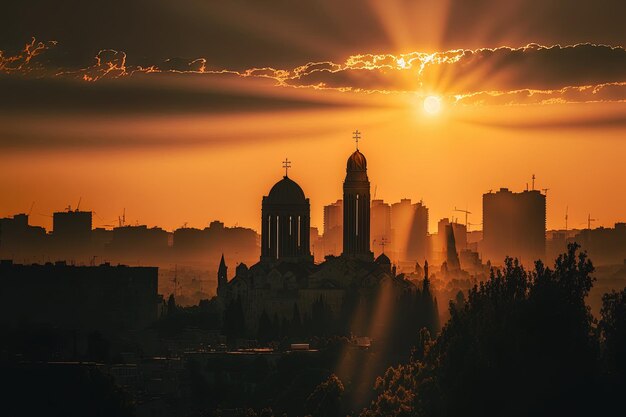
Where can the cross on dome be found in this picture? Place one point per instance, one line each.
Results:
(356, 135)
(286, 165)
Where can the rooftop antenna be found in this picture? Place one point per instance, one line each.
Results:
(533, 177)
(31, 209)
(375, 189)
(78, 205)
(356, 135)
(566, 217)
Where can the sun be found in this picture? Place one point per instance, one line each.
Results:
(432, 105)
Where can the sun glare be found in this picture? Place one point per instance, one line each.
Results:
(432, 105)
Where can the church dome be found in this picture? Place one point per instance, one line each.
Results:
(286, 191)
(357, 162)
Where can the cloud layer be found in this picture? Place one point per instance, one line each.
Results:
(502, 76)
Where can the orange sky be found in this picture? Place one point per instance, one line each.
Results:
(184, 114)
(447, 160)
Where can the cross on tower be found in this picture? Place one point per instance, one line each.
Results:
(286, 165)
(356, 135)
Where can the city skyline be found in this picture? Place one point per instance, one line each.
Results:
(185, 126)
(578, 219)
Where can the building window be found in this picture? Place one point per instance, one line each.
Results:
(269, 231)
(299, 232)
(357, 216)
(277, 237)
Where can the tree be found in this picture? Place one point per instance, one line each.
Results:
(523, 344)
(613, 330)
(325, 400)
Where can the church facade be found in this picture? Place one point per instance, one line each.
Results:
(286, 277)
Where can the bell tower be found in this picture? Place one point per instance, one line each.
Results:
(356, 207)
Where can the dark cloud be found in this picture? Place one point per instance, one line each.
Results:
(531, 67)
(143, 94)
(241, 34)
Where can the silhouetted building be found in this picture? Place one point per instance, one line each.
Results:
(605, 245)
(104, 298)
(381, 227)
(285, 222)
(356, 209)
(20, 240)
(343, 291)
(333, 228)
(222, 277)
(417, 247)
(409, 224)
(71, 233)
(452, 257)
(514, 224)
(205, 245)
(137, 243)
(317, 244)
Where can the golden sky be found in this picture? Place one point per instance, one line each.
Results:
(195, 130)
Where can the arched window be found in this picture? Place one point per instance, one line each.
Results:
(357, 215)
(277, 237)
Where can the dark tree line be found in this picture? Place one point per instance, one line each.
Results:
(523, 343)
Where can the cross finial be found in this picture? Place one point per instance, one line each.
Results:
(356, 135)
(286, 165)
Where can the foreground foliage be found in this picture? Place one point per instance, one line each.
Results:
(524, 343)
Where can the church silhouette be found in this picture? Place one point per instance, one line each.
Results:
(286, 276)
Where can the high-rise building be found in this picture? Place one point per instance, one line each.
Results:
(356, 209)
(514, 224)
(333, 216)
(409, 223)
(72, 226)
(381, 227)
(417, 247)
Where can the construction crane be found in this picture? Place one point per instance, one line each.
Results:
(473, 224)
(121, 220)
(466, 213)
(31, 209)
(78, 205)
(589, 220)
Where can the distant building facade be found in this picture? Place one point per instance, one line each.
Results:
(105, 298)
(333, 228)
(514, 224)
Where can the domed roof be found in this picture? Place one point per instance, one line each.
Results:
(357, 162)
(383, 259)
(286, 191)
